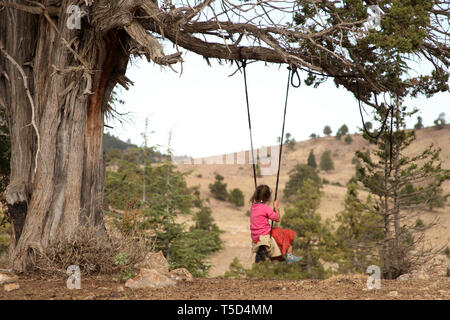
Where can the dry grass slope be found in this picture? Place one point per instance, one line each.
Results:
(235, 223)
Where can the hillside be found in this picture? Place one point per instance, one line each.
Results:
(236, 224)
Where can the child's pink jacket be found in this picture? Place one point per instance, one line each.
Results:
(259, 223)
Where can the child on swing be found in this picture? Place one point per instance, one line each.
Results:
(260, 214)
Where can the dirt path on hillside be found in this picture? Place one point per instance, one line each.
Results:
(339, 287)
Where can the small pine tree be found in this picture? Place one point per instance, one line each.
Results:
(342, 131)
(219, 189)
(297, 176)
(314, 236)
(419, 124)
(440, 121)
(326, 163)
(236, 197)
(312, 160)
(327, 131)
(348, 139)
(358, 233)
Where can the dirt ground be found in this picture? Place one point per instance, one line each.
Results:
(338, 287)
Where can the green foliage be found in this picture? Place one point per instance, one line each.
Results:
(326, 163)
(401, 185)
(315, 238)
(236, 197)
(236, 270)
(312, 160)
(167, 196)
(419, 224)
(327, 130)
(419, 124)
(203, 220)
(289, 141)
(348, 139)
(4, 233)
(112, 142)
(342, 131)
(121, 260)
(358, 233)
(297, 176)
(219, 189)
(313, 136)
(447, 252)
(440, 121)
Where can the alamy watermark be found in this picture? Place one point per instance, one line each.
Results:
(265, 157)
(74, 280)
(374, 280)
(74, 19)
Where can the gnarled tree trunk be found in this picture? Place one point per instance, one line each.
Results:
(57, 171)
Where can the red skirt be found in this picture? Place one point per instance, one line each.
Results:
(284, 238)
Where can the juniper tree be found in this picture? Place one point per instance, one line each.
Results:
(419, 124)
(297, 177)
(326, 163)
(236, 197)
(342, 131)
(56, 85)
(327, 130)
(219, 189)
(312, 160)
(440, 121)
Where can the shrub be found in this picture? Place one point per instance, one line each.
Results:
(219, 189)
(93, 250)
(419, 224)
(236, 197)
(327, 130)
(447, 252)
(348, 139)
(312, 160)
(236, 270)
(440, 121)
(326, 163)
(298, 176)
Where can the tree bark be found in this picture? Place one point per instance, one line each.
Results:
(65, 189)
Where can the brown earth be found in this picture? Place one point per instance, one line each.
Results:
(338, 287)
(235, 223)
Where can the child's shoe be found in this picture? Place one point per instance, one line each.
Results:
(290, 258)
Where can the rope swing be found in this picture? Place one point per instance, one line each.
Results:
(292, 71)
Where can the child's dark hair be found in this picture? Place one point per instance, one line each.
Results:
(262, 194)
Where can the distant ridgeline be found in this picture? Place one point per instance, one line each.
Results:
(114, 148)
(111, 142)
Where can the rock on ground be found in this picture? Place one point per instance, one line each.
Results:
(149, 278)
(181, 274)
(4, 278)
(155, 261)
(11, 286)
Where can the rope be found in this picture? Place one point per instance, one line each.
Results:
(289, 82)
(244, 64)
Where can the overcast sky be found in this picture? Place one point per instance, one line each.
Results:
(206, 110)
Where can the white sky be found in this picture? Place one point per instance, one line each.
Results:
(206, 110)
